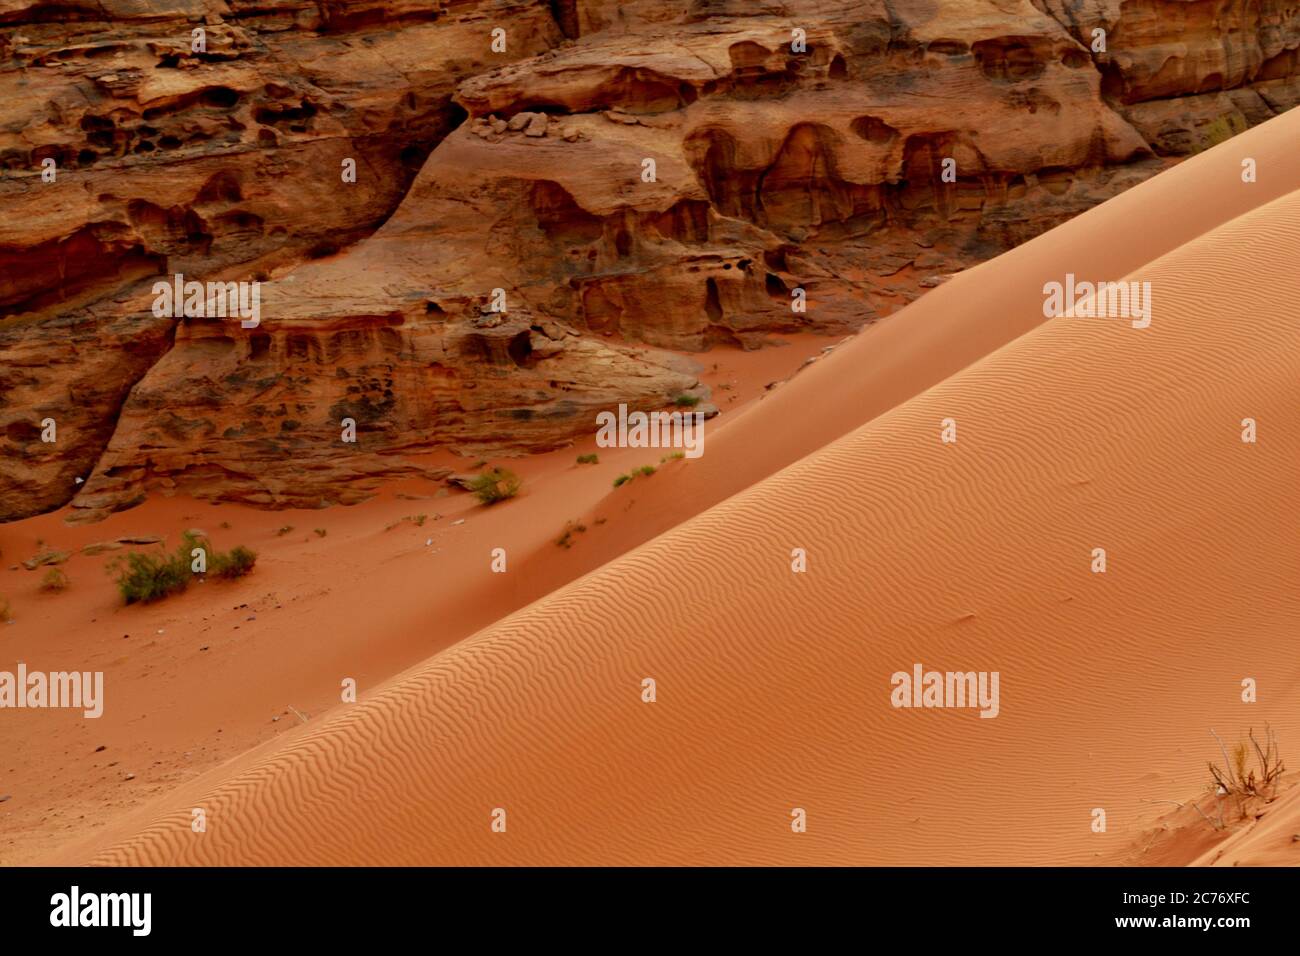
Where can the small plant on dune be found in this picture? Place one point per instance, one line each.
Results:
(418, 520)
(496, 484)
(591, 459)
(673, 457)
(234, 563)
(55, 580)
(1237, 779)
(143, 577)
(283, 530)
(572, 528)
(646, 470)
(5, 610)
(321, 532)
(686, 401)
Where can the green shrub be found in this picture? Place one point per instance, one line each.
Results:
(55, 580)
(145, 577)
(646, 470)
(234, 563)
(496, 484)
(686, 401)
(151, 577)
(591, 459)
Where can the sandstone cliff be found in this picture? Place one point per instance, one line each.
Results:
(636, 178)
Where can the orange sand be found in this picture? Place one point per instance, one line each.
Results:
(773, 687)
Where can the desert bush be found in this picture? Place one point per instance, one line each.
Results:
(686, 401)
(573, 527)
(143, 577)
(496, 484)
(55, 580)
(1237, 779)
(646, 470)
(591, 459)
(234, 563)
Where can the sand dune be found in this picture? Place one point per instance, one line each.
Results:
(773, 688)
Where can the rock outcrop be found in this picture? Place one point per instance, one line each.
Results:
(549, 200)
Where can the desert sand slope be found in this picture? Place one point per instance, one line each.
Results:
(773, 688)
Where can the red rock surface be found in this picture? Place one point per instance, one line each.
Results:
(523, 171)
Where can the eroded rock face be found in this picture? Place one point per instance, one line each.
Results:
(676, 173)
(172, 160)
(1189, 74)
(268, 416)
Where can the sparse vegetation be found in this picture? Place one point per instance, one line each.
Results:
(590, 459)
(686, 401)
(646, 470)
(224, 526)
(1237, 779)
(1236, 785)
(234, 563)
(573, 527)
(55, 580)
(143, 577)
(321, 532)
(496, 484)
(673, 457)
(283, 530)
(5, 610)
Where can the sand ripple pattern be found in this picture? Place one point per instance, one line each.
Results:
(773, 687)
